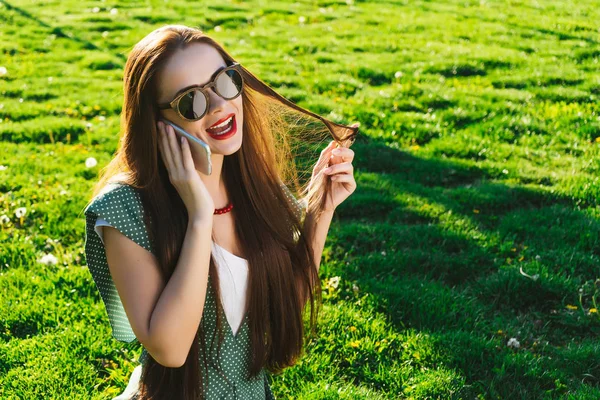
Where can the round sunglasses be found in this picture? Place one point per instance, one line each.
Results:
(193, 103)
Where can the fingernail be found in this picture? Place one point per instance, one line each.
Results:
(326, 170)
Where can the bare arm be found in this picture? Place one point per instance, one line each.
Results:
(164, 317)
(316, 234)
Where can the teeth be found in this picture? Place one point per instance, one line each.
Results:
(224, 123)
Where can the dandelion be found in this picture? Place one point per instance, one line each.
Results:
(3, 71)
(105, 34)
(514, 343)
(95, 9)
(218, 28)
(20, 214)
(302, 20)
(352, 329)
(571, 307)
(333, 282)
(354, 344)
(475, 211)
(114, 11)
(593, 311)
(398, 74)
(4, 219)
(91, 162)
(3, 167)
(48, 259)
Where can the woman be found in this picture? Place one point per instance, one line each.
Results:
(215, 295)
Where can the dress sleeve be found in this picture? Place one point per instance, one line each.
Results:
(121, 207)
(299, 206)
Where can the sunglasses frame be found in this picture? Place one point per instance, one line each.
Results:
(174, 104)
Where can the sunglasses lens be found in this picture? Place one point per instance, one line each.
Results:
(229, 84)
(192, 105)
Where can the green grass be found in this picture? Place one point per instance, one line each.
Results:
(479, 159)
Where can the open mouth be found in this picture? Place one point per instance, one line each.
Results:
(223, 127)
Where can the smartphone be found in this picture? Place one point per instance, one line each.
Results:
(200, 150)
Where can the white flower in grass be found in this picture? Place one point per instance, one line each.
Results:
(333, 282)
(48, 259)
(218, 28)
(4, 219)
(512, 342)
(302, 20)
(3, 167)
(114, 11)
(95, 9)
(20, 212)
(91, 162)
(3, 71)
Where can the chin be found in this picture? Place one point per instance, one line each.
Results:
(230, 148)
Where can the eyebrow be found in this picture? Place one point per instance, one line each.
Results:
(210, 80)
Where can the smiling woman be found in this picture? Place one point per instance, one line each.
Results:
(172, 268)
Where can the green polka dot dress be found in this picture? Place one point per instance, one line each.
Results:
(225, 378)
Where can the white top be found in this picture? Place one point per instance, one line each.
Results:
(233, 279)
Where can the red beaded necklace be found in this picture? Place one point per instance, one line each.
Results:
(223, 210)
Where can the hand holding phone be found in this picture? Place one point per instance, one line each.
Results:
(183, 175)
(200, 149)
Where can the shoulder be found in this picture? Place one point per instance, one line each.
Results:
(120, 205)
(114, 197)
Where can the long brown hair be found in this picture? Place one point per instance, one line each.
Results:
(283, 278)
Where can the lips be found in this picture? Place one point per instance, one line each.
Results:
(221, 121)
(227, 130)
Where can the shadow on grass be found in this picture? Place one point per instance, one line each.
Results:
(444, 249)
(86, 44)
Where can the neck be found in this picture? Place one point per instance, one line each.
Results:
(214, 182)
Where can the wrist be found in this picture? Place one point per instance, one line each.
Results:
(201, 221)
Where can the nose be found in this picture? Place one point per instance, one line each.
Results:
(216, 102)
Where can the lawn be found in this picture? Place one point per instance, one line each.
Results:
(464, 266)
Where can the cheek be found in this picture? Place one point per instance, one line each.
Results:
(239, 105)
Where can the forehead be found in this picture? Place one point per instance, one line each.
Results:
(193, 65)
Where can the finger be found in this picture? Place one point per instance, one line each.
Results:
(188, 161)
(338, 168)
(343, 154)
(343, 178)
(164, 147)
(324, 157)
(175, 149)
(330, 146)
